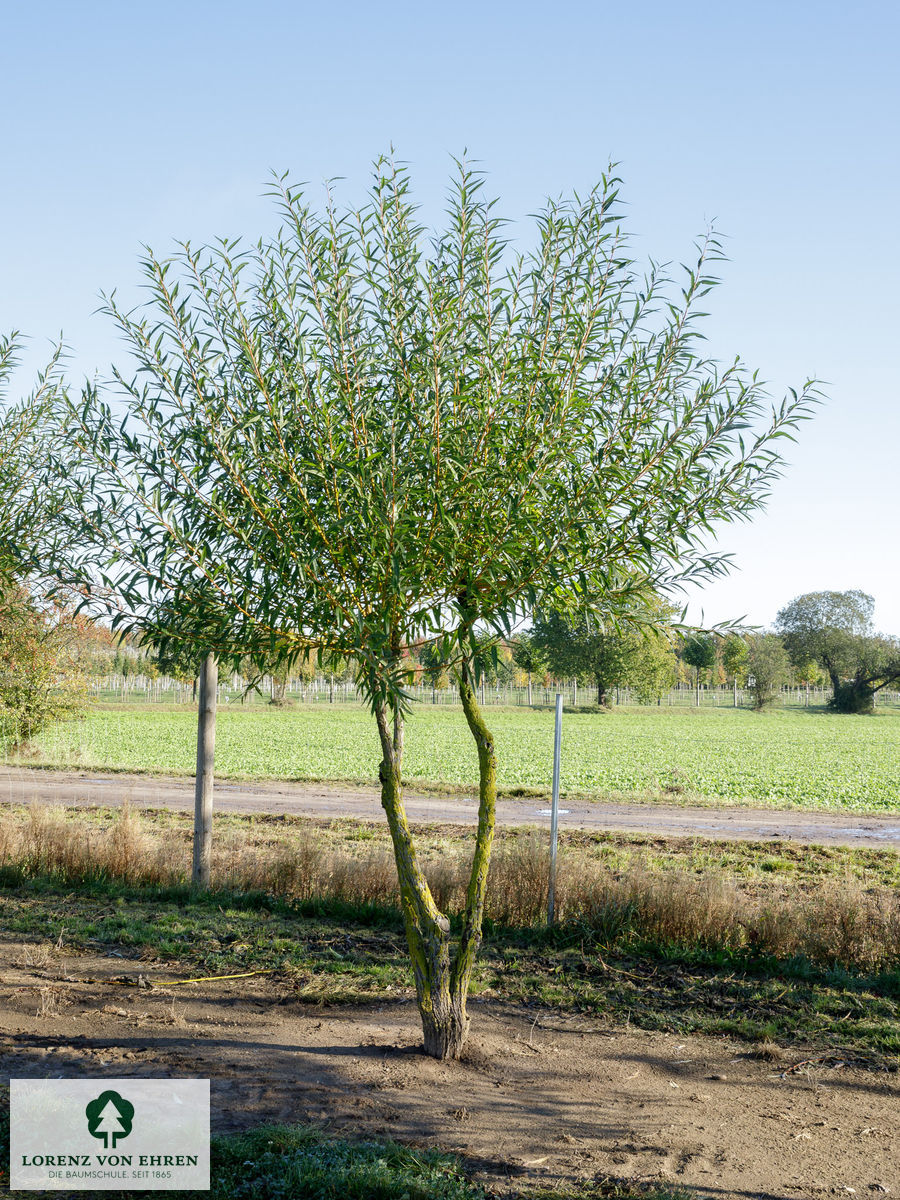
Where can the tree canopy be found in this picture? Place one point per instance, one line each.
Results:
(835, 630)
(355, 429)
(607, 656)
(699, 652)
(735, 652)
(827, 627)
(27, 492)
(768, 667)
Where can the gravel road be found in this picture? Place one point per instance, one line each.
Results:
(21, 785)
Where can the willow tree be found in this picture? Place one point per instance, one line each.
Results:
(361, 435)
(27, 496)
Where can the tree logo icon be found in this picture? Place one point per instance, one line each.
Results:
(109, 1117)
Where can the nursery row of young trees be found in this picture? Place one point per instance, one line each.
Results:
(358, 435)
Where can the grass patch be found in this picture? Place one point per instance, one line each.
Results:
(799, 758)
(278, 1162)
(330, 953)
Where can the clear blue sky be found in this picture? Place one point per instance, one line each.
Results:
(127, 124)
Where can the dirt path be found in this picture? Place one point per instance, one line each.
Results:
(19, 785)
(541, 1097)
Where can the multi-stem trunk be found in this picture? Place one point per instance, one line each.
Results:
(441, 985)
(476, 893)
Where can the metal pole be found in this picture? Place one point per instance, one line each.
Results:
(203, 789)
(554, 809)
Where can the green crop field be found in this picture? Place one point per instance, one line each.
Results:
(804, 758)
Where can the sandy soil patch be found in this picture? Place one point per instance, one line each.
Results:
(540, 1097)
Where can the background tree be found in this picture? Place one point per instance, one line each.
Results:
(877, 667)
(280, 674)
(339, 667)
(768, 668)
(827, 627)
(364, 436)
(529, 657)
(810, 674)
(40, 679)
(609, 657)
(434, 665)
(734, 652)
(835, 630)
(651, 669)
(584, 649)
(28, 492)
(94, 647)
(285, 662)
(189, 635)
(699, 652)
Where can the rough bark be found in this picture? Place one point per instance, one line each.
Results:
(441, 988)
(470, 938)
(427, 929)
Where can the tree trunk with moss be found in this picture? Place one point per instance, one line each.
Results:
(441, 977)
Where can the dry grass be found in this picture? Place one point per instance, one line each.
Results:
(46, 843)
(836, 922)
(37, 957)
(48, 1002)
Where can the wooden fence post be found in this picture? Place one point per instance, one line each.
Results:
(206, 753)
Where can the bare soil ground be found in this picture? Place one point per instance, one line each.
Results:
(24, 785)
(540, 1098)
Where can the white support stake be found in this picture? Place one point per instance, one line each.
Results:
(554, 809)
